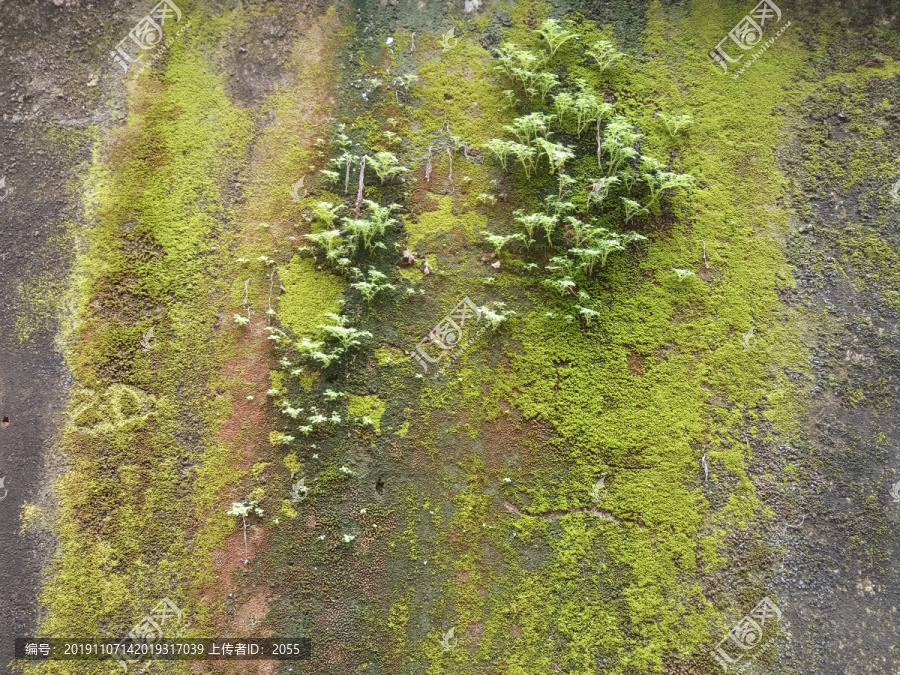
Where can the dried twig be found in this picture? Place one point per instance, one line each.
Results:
(246, 559)
(412, 46)
(347, 177)
(271, 285)
(704, 254)
(450, 155)
(428, 166)
(359, 194)
(246, 301)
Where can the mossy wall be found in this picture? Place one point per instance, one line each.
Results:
(566, 496)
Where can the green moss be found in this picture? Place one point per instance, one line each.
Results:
(388, 354)
(443, 219)
(492, 528)
(292, 463)
(662, 374)
(370, 407)
(128, 536)
(309, 295)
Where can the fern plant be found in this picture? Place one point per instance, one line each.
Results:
(338, 329)
(386, 165)
(675, 123)
(327, 212)
(555, 35)
(371, 287)
(582, 245)
(605, 54)
(496, 314)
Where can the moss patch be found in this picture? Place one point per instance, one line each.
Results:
(309, 295)
(370, 407)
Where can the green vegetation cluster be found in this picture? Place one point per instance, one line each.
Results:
(616, 183)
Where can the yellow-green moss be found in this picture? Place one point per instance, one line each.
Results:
(309, 296)
(371, 407)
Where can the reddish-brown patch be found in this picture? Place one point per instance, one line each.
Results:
(420, 460)
(250, 616)
(310, 521)
(475, 631)
(707, 274)
(247, 425)
(505, 437)
(231, 558)
(462, 576)
(636, 365)
(515, 632)
(421, 197)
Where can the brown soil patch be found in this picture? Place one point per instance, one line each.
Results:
(251, 615)
(506, 436)
(421, 197)
(708, 274)
(636, 365)
(247, 427)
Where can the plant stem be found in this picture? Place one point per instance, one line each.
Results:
(359, 193)
(450, 155)
(347, 177)
(246, 304)
(246, 559)
(271, 284)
